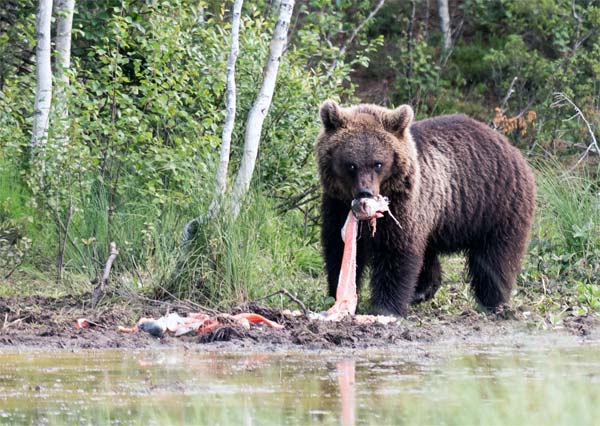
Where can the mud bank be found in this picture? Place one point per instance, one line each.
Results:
(49, 323)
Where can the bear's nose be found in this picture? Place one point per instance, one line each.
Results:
(364, 193)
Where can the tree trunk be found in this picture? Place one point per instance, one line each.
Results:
(43, 90)
(221, 176)
(64, 24)
(199, 20)
(445, 23)
(261, 105)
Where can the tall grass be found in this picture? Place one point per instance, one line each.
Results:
(569, 208)
(229, 261)
(232, 261)
(564, 255)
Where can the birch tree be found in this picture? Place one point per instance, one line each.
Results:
(43, 90)
(445, 24)
(221, 176)
(261, 105)
(64, 24)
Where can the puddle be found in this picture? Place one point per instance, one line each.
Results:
(482, 384)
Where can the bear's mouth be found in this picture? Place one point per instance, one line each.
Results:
(370, 207)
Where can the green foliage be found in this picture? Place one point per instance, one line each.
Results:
(565, 248)
(570, 209)
(232, 261)
(135, 159)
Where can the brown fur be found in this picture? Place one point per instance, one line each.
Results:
(454, 184)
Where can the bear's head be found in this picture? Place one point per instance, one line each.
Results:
(365, 151)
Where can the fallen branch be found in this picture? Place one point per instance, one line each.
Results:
(293, 298)
(177, 302)
(14, 322)
(561, 100)
(99, 290)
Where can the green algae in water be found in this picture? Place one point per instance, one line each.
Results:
(477, 386)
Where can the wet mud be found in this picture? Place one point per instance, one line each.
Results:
(47, 323)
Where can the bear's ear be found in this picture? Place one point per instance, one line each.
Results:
(398, 120)
(332, 115)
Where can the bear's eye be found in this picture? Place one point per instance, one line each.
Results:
(351, 167)
(378, 166)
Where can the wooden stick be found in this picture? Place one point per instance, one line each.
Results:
(293, 298)
(99, 290)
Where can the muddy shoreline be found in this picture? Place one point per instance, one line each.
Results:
(49, 323)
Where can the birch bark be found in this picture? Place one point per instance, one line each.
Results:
(261, 105)
(445, 23)
(64, 25)
(221, 176)
(43, 90)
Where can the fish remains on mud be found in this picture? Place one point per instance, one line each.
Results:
(346, 298)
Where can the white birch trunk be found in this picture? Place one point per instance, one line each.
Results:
(200, 14)
(445, 24)
(261, 105)
(221, 176)
(64, 24)
(43, 90)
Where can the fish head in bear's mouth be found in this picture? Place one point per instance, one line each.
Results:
(366, 208)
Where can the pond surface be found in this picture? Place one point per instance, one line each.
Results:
(529, 383)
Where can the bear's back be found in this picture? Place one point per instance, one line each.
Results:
(469, 170)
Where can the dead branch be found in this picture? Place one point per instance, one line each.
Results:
(99, 290)
(562, 100)
(176, 303)
(293, 298)
(298, 200)
(354, 34)
(62, 241)
(509, 93)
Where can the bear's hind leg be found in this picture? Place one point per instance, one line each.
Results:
(493, 267)
(430, 278)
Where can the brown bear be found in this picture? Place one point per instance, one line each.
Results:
(454, 185)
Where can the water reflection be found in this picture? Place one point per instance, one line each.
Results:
(346, 373)
(410, 387)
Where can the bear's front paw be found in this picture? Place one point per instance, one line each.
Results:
(389, 311)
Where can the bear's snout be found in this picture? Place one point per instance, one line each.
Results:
(363, 193)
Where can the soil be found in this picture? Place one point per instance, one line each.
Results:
(49, 323)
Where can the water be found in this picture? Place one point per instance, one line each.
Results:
(529, 384)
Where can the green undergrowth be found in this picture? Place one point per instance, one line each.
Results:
(233, 261)
(230, 262)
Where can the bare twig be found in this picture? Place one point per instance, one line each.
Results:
(63, 241)
(293, 298)
(509, 93)
(561, 100)
(15, 322)
(99, 290)
(176, 303)
(577, 18)
(354, 34)
(297, 200)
